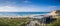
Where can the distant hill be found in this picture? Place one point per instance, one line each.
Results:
(56, 12)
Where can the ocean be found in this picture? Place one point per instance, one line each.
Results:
(20, 13)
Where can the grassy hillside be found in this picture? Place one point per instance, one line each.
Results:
(13, 21)
(57, 11)
(56, 22)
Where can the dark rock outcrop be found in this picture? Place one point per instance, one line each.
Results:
(47, 20)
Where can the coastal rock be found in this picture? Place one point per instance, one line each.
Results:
(47, 20)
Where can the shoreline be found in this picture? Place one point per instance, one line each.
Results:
(25, 15)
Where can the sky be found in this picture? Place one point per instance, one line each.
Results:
(29, 5)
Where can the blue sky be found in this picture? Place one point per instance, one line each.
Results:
(29, 5)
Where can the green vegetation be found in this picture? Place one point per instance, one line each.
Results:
(57, 11)
(13, 21)
(55, 23)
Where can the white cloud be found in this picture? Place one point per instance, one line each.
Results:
(7, 9)
(52, 7)
(18, 9)
(26, 1)
(26, 8)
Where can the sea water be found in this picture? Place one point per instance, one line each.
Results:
(20, 13)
